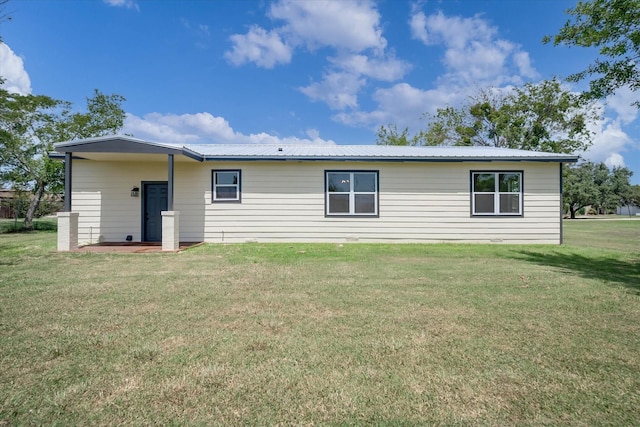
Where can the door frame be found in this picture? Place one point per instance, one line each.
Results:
(143, 200)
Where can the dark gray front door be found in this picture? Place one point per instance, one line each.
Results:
(155, 201)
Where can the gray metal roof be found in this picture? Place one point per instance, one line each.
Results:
(244, 152)
(368, 152)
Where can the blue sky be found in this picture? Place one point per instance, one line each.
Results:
(295, 71)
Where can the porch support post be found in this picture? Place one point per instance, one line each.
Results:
(170, 184)
(67, 181)
(170, 230)
(170, 218)
(561, 240)
(67, 231)
(67, 220)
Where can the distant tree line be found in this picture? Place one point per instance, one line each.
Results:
(595, 185)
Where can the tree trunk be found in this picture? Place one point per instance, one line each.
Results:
(33, 206)
(573, 211)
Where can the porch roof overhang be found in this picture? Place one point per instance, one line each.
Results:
(122, 148)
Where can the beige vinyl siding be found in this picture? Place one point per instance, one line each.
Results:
(285, 202)
(417, 202)
(102, 196)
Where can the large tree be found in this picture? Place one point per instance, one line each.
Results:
(621, 186)
(30, 124)
(612, 26)
(540, 117)
(578, 189)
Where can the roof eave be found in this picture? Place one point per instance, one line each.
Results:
(571, 159)
(118, 144)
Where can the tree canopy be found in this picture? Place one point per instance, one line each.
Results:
(539, 117)
(634, 198)
(612, 26)
(389, 135)
(593, 184)
(30, 124)
(3, 15)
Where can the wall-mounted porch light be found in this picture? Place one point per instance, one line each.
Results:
(135, 192)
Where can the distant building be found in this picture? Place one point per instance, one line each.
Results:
(628, 210)
(7, 203)
(14, 203)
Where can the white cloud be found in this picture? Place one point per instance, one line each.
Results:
(418, 26)
(346, 26)
(313, 133)
(621, 104)
(154, 127)
(338, 90)
(404, 99)
(340, 86)
(265, 138)
(614, 160)
(474, 53)
(609, 143)
(351, 28)
(380, 68)
(16, 77)
(523, 62)
(454, 32)
(203, 128)
(127, 4)
(350, 25)
(478, 61)
(474, 57)
(264, 48)
(403, 105)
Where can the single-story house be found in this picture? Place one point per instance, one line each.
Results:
(120, 188)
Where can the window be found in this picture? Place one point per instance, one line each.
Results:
(496, 193)
(225, 185)
(351, 193)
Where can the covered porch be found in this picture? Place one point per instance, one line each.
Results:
(159, 226)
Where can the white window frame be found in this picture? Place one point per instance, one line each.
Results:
(352, 193)
(215, 186)
(497, 193)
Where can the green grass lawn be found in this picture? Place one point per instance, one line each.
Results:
(13, 225)
(324, 334)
